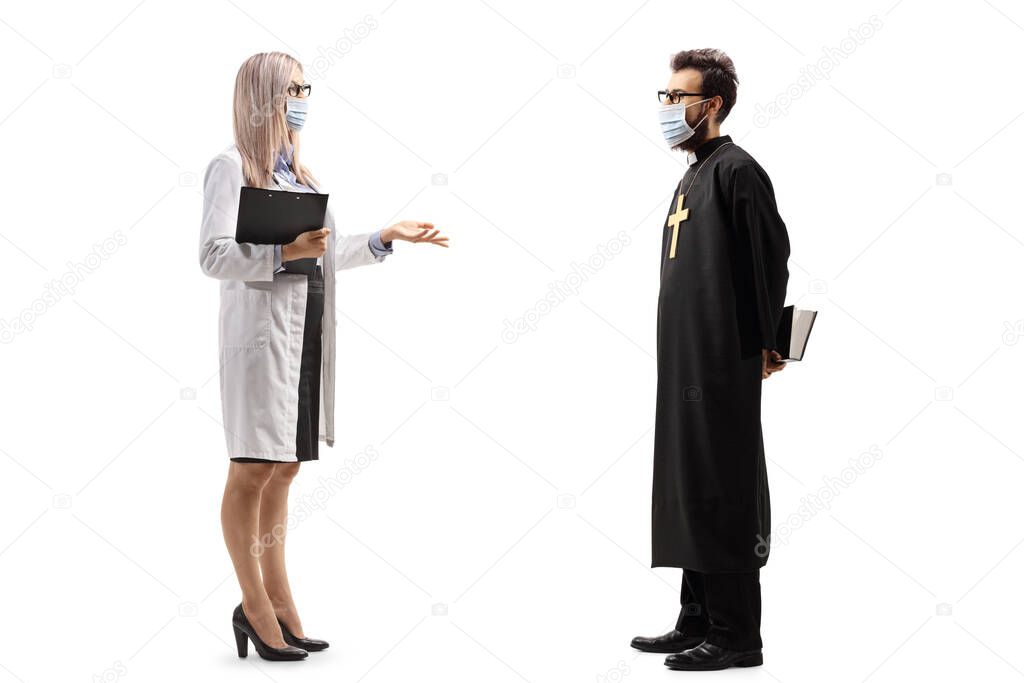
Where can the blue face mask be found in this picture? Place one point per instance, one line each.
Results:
(673, 122)
(295, 112)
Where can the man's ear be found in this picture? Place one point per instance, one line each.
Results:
(714, 105)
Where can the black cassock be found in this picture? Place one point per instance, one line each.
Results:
(720, 302)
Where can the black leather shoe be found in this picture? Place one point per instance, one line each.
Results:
(307, 644)
(244, 632)
(673, 641)
(708, 657)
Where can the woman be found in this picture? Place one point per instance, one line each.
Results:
(276, 330)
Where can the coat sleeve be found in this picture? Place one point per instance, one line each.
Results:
(220, 256)
(350, 251)
(354, 250)
(756, 218)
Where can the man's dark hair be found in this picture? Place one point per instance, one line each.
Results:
(717, 72)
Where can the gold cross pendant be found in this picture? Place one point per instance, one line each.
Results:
(675, 221)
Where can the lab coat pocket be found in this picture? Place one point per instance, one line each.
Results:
(245, 319)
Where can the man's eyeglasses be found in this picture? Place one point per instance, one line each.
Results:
(294, 89)
(674, 96)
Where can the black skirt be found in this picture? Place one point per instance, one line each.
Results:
(307, 428)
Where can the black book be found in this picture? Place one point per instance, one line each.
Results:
(794, 330)
(278, 217)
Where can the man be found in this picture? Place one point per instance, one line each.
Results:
(723, 284)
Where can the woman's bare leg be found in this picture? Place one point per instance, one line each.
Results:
(273, 525)
(239, 517)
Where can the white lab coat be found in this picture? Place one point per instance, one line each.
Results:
(262, 316)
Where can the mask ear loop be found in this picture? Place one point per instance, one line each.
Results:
(706, 99)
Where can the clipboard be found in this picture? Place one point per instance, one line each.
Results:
(278, 217)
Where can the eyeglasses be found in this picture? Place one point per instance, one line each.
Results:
(674, 96)
(294, 89)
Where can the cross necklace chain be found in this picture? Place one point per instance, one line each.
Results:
(675, 220)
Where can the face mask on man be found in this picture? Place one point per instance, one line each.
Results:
(673, 122)
(295, 109)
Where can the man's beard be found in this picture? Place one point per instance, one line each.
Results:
(699, 137)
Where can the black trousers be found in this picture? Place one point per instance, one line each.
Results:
(724, 608)
(308, 423)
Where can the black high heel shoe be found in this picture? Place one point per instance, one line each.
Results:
(307, 644)
(244, 632)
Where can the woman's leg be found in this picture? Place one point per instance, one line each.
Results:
(273, 525)
(239, 517)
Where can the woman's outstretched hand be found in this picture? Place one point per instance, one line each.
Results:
(414, 231)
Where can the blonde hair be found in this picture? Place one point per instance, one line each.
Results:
(261, 88)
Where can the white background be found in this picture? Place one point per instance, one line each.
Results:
(512, 485)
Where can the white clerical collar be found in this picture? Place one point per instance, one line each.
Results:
(706, 149)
